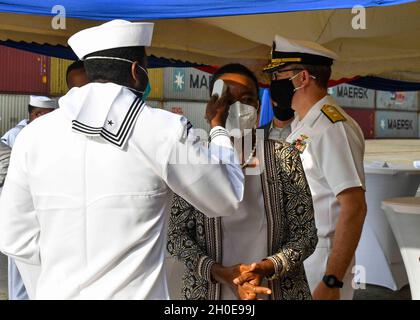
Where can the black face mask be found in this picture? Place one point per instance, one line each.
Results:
(282, 93)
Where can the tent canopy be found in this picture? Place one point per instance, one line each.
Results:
(176, 9)
(221, 31)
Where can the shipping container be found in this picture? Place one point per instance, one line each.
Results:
(398, 100)
(58, 84)
(393, 124)
(186, 84)
(350, 96)
(58, 70)
(23, 72)
(193, 111)
(366, 120)
(13, 109)
(156, 82)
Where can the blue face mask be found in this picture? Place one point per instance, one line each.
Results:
(146, 92)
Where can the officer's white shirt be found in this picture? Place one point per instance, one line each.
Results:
(332, 160)
(93, 215)
(10, 136)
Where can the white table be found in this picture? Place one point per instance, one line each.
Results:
(378, 252)
(404, 217)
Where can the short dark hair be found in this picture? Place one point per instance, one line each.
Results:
(322, 74)
(115, 71)
(31, 108)
(78, 64)
(233, 68)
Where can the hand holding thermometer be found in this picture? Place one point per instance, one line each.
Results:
(218, 107)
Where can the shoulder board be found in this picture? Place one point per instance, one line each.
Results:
(332, 113)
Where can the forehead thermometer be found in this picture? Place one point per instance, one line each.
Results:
(219, 88)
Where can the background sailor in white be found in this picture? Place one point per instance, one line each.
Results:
(332, 149)
(4, 164)
(89, 185)
(38, 106)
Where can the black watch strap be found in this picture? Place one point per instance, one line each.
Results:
(331, 281)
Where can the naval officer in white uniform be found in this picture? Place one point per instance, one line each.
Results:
(332, 148)
(89, 186)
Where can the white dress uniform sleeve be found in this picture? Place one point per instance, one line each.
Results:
(340, 157)
(210, 179)
(10, 137)
(19, 227)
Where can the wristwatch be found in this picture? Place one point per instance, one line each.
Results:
(331, 281)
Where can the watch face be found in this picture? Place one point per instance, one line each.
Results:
(331, 281)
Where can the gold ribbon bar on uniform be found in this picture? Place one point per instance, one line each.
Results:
(284, 60)
(279, 61)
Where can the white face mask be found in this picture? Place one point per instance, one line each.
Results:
(241, 116)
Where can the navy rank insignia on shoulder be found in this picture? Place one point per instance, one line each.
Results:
(332, 113)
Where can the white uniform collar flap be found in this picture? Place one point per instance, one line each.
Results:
(106, 110)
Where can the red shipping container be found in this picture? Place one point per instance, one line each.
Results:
(366, 120)
(23, 72)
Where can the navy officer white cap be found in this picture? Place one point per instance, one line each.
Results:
(286, 51)
(113, 34)
(42, 102)
(284, 44)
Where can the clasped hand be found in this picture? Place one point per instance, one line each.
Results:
(245, 280)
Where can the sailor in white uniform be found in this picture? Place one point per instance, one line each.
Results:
(38, 106)
(4, 164)
(10, 136)
(332, 148)
(89, 186)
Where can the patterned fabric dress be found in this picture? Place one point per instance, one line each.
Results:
(196, 240)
